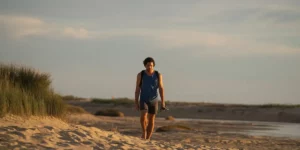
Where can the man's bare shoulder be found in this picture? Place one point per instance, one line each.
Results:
(160, 74)
(139, 74)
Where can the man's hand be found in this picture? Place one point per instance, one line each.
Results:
(161, 93)
(137, 107)
(163, 106)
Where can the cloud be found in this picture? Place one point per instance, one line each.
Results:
(80, 33)
(205, 43)
(219, 44)
(221, 32)
(17, 27)
(189, 38)
(20, 26)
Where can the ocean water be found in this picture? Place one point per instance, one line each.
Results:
(274, 129)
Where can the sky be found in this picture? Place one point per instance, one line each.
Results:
(233, 51)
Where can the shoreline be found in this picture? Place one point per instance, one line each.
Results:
(235, 121)
(272, 129)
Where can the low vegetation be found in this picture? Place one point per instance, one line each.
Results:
(109, 112)
(278, 106)
(170, 118)
(25, 91)
(215, 106)
(71, 109)
(116, 101)
(71, 97)
(221, 107)
(172, 128)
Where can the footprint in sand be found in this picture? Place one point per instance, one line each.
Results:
(18, 134)
(41, 135)
(80, 134)
(49, 128)
(62, 144)
(5, 138)
(99, 146)
(69, 137)
(18, 145)
(12, 128)
(88, 143)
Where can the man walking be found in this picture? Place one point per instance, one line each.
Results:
(147, 83)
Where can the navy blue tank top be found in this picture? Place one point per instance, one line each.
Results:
(149, 87)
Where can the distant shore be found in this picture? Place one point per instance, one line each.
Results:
(268, 112)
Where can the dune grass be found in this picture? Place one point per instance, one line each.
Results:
(25, 91)
(75, 109)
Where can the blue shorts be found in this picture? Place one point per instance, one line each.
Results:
(150, 106)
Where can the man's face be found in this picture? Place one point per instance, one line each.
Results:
(149, 66)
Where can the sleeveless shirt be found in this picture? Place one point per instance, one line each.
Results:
(149, 87)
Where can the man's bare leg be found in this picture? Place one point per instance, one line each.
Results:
(143, 120)
(150, 125)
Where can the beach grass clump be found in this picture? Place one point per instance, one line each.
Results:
(25, 91)
(174, 127)
(75, 109)
(171, 118)
(109, 112)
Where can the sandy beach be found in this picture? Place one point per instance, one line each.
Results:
(211, 134)
(219, 75)
(52, 133)
(86, 131)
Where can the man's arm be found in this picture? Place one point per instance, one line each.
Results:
(137, 88)
(161, 91)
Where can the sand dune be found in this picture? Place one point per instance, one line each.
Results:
(53, 133)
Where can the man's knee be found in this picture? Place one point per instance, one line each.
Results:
(144, 115)
(151, 118)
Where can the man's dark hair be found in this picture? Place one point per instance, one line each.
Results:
(147, 60)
